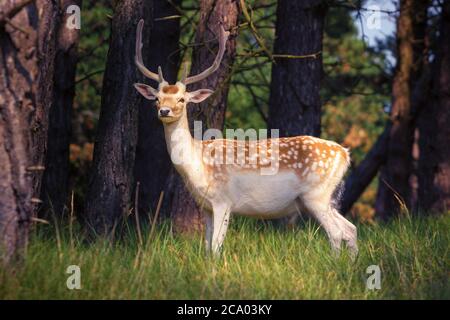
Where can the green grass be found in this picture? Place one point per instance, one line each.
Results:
(259, 262)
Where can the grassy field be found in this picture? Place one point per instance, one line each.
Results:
(259, 262)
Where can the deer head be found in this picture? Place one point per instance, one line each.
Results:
(171, 99)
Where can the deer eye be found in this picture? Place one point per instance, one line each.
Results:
(181, 100)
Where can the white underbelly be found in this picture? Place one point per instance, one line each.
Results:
(263, 196)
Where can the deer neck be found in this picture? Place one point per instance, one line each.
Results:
(185, 152)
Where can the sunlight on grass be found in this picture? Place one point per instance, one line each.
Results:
(259, 262)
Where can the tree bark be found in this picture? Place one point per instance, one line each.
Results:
(111, 182)
(56, 176)
(27, 50)
(184, 212)
(421, 65)
(394, 190)
(152, 159)
(294, 103)
(434, 129)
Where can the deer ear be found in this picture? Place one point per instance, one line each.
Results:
(147, 91)
(199, 95)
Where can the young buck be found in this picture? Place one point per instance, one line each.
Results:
(267, 178)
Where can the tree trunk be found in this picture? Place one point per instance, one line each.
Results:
(27, 50)
(152, 159)
(111, 181)
(56, 176)
(185, 213)
(421, 48)
(394, 189)
(294, 104)
(434, 129)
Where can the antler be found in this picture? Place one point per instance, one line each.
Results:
(223, 37)
(138, 59)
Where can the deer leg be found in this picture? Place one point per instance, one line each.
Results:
(209, 231)
(320, 211)
(349, 232)
(221, 217)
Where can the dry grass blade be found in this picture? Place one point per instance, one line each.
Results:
(34, 219)
(136, 215)
(155, 218)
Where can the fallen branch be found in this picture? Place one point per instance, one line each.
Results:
(362, 175)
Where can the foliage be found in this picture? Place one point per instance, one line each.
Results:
(356, 87)
(93, 49)
(259, 262)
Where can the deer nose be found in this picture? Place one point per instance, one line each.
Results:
(164, 112)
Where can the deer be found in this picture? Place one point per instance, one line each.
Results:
(266, 179)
